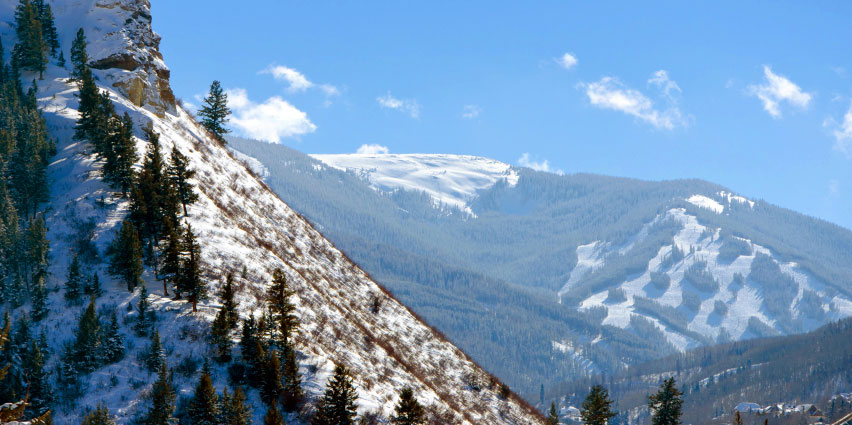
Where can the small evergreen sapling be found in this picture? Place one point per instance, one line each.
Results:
(408, 410)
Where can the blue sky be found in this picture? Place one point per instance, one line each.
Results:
(756, 96)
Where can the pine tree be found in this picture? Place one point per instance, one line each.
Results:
(190, 282)
(119, 166)
(153, 198)
(271, 381)
(666, 405)
(163, 400)
(282, 312)
(144, 319)
(31, 50)
(79, 56)
(552, 416)
(40, 392)
(292, 394)
(180, 173)
(100, 416)
(273, 416)
(92, 287)
(337, 407)
(38, 248)
(234, 410)
(154, 357)
(249, 344)
(14, 411)
(125, 254)
(87, 343)
(170, 261)
(597, 408)
(408, 410)
(204, 406)
(215, 112)
(111, 340)
(48, 27)
(229, 303)
(74, 282)
(61, 60)
(220, 336)
(40, 309)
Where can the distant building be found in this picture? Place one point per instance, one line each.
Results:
(748, 408)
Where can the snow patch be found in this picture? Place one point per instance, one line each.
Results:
(705, 202)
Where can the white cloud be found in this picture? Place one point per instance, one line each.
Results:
(776, 89)
(843, 133)
(408, 106)
(525, 161)
(833, 187)
(611, 93)
(373, 149)
(298, 82)
(272, 120)
(471, 111)
(567, 61)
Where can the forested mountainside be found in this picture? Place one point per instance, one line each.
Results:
(544, 277)
(797, 369)
(148, 274)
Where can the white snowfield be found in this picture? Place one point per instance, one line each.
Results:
(700, 243)
(718, 206)
(239, 223)
(450, 180)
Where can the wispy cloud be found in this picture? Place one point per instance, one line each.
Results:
(272, 120)
(833, 187)
(842, 133)
(526, 161)
(373, 149)
(298, 82)
(611, 93)
(567, 61)
(471, 111)
(776, 89)
(407, 106)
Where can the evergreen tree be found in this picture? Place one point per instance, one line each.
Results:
(93, 288)
(87, 343)
(552, 416)
(31, 50)
(189, 282)
(153, 198)
(14, 411)
(154, 357)
(273, 416)
(40, 309)
(597, 408)
(74, 283)
(48, 27)
(337, 407)
(408, 410)
(234, 410)
(144, 319)
(163, 400)
(100, 416)
(215, 112)
(38, 248)
(292, 394)
(61, 60)
(249, 344)
(204, 406)
(79, 56)
(39, 389)
(229, 304)
(119, 166)
(282, 312)
(220, 336)
(180, 173)
(170, 261)
(666, 405)
(271, 381)
(125, 254)
(113, 343)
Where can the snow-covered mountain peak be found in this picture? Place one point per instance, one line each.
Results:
(451, 180)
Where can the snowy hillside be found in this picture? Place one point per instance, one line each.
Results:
(451, 180)
(240, 223)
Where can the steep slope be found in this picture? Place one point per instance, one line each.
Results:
(240, 223)
(590, 273)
